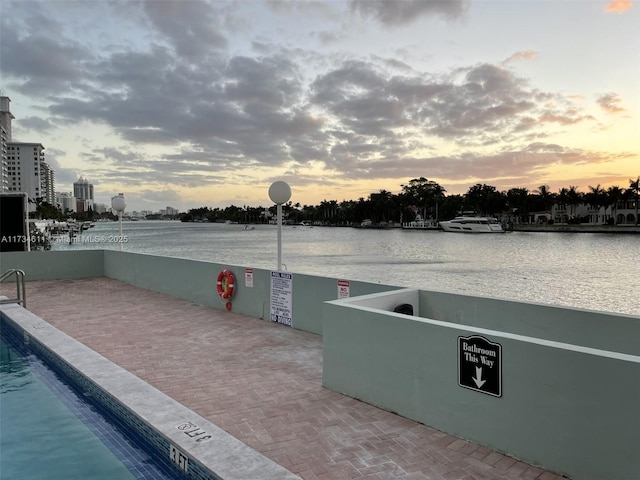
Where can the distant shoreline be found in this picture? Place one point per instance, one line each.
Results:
(577, 228)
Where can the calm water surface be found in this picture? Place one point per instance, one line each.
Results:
(584, 270)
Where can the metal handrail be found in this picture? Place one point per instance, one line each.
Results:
(20, 291)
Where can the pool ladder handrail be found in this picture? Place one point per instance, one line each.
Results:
(20, 291)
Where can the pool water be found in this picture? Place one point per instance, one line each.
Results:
(49, 431)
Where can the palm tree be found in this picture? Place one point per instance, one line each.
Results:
(614, 194)
(518, 200)
(546, 197)
(381, 203)
(575, 198)
(563, 200)
(634, 187)
(597, 199)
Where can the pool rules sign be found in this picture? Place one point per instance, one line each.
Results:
(480, 365)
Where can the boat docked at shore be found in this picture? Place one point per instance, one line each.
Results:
(421, 224)
(472, 225)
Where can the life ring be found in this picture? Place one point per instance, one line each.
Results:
(225, 284)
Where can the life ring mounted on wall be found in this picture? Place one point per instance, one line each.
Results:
(226, 284)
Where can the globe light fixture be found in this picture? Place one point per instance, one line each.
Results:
(279, 193)
(118, 204)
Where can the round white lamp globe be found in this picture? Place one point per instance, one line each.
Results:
(118, 203)
(279, 192)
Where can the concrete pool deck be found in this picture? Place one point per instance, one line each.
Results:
(260, 382)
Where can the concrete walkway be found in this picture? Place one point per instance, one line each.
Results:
(261, 382)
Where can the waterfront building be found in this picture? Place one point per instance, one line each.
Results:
(23, 167)
(6, 116)
(28, 172)
(66, 202)
(4, 165)
(169, 212)
(82, 189)
(47, 182)
(5, 137)
(100, 208)
(622, 213)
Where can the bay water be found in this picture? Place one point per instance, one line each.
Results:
(584, 270)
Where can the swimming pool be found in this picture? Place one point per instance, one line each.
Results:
(172, 434)
(48, 430)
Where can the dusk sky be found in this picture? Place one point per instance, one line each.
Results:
(189, 104)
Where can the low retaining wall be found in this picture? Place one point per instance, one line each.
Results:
(606, 331)
(196, 281)
(190, 279)
(42, 265)
(569, 408)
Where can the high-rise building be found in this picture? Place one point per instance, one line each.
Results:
(5, 137)
(82, 189)
(4, 166)
(66, 202)
(6, 116)
(23, 167)
(100, 208)
(28, 172)
(47, 182)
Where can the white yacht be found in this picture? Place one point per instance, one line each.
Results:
(472, 225)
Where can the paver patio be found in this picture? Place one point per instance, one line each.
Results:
(261, 382)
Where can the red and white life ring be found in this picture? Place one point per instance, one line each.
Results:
(226, 284)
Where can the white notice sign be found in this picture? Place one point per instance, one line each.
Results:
(282, 298)
(343, 288)
(248, 277)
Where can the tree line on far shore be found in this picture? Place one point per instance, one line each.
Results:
(427, 198)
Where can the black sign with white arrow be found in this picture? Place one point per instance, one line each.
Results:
(480, 365)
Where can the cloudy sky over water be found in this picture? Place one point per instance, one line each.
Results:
(189, 103)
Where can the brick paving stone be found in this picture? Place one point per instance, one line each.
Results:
(518, 467)
(505, 463)
(547, 476)
(261, 382)
(532, 473)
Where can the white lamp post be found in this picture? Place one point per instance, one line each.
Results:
(279, 193)
(118, 204)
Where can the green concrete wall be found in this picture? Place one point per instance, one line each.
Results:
(606, 331)
(189, 279)
(196, 281)
(570, 409)
(42, 265)
(309, 293)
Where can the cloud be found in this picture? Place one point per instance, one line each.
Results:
(618, 6)
(62, 175)
(523, 55)
(192, 114)
(192, 28)
(259, 112)
(160, 197)
(33, 124)
(505, 169)
(610, 103)
(41, 61)
(392, 13)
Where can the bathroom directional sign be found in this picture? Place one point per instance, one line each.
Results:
(480, 365)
